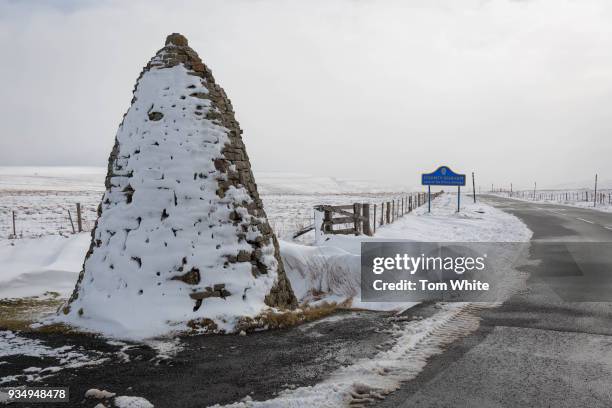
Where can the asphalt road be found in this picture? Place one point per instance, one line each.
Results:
(541, 348)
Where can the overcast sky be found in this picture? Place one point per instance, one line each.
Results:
(513, 90)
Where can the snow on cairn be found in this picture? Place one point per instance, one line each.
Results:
(182, 238)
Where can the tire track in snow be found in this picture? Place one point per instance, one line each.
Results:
(582, 219)
(369, 380)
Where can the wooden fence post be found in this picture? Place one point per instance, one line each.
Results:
(374, 218)
(14, 229)
(382, 213)
(327, 218)
(388, 212)
(392, 210)
(366, 219)
(71, 223)
(79, 218)
(357, 217)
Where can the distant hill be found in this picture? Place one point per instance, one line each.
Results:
(296, 183)
(52, 178)
(92, 179)
(604, 183)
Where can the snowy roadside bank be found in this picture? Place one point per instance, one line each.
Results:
(331, 269)
(33, 266)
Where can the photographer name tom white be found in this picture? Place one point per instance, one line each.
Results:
(429, 286)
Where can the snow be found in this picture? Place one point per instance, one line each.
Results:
(52, 178)
(76, 179)
(476, 222)
(331, 269)
(132, 402)
(98, 394)
(12, 344)
(602, 183)
(271, 183)
(31, 267)
(320, 269)
(165, 348)
(42, 196)
(118, 402)
(39, 213)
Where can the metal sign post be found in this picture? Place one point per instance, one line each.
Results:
(595, 195)
(444, 176)
(458, 198)
(428, 198)
(473, 187)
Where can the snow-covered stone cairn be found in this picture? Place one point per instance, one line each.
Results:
(181, 236)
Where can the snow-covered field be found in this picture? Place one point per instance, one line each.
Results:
(583, 198)
(92, 179)
(41, 198)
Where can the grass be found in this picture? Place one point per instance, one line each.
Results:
(272, 319)
(20, 314)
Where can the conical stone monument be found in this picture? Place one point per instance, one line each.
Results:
(182, 235)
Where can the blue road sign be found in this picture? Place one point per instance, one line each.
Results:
(443, 176)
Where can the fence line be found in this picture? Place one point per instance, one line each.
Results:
(67, 218)
(562, 196)
(60, 221)
(362, 217)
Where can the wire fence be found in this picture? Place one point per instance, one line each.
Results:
(65, 219)
(49, 213)
(603, 197)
